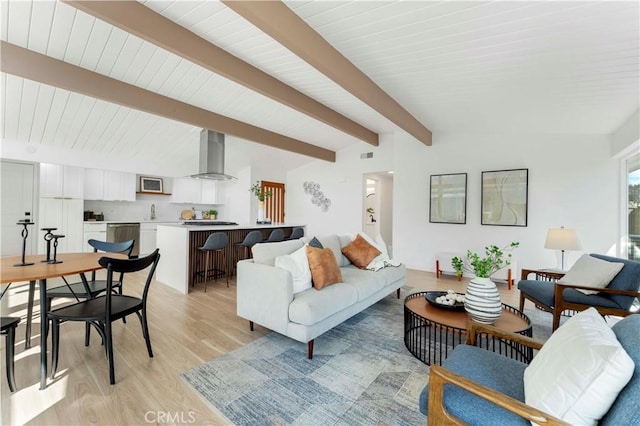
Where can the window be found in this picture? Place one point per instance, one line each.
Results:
(633, 198)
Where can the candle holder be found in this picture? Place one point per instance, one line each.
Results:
(55, 248)
(48, 236)
(25, 234)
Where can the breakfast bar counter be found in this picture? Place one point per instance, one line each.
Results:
(178, 244)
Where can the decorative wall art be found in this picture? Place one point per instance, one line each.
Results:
(448, 202)
(150, 184)
(318, 197)
(505, 197)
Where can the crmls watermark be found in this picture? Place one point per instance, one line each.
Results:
(174, 417)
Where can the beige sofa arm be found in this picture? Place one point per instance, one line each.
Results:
(264, 295)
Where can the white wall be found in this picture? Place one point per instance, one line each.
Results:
(573, 182)
(627, 134)
(341, 182)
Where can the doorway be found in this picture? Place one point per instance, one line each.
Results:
(17, 189)
(377, 210)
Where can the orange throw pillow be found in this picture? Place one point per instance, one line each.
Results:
(360, 252)
(324, 267)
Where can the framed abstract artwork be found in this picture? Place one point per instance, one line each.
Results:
(505, 197)
(448, 198)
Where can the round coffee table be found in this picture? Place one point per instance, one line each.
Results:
(430, 332)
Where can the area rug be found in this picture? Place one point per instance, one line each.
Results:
(361, 374)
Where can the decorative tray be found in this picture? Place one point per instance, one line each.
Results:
(431, 297)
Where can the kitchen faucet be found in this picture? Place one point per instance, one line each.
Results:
(153, 211)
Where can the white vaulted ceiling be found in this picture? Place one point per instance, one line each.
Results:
(533, 67)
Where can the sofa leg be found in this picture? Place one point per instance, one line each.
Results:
(251, 325)
(310, 349)
(398, 293)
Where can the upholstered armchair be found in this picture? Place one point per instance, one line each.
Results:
(556, 297)
(477, 386)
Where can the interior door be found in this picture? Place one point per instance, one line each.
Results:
(274, 205)
(16, 196)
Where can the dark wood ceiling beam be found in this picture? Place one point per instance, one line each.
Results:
(282, 24)
(44, 69)
(138, 19)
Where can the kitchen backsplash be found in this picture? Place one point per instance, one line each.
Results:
(141, 210)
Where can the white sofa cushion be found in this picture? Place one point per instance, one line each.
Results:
(591, 272)
(579, 371)
(298, 265)
(266, 253)
(312, 306)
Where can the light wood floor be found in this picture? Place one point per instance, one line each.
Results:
(186, 331)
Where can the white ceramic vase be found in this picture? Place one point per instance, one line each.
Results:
(260, 211)
(482, 300)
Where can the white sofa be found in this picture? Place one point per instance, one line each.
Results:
(265, 292)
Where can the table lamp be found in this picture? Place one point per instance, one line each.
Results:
(562, 239)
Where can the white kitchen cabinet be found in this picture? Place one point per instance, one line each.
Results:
(93, 184)
(94, 231)
(147, 238)
(67, 216)
(209, 192)
(58, 181)
(119, 186)
(187, 190)
(197, 191)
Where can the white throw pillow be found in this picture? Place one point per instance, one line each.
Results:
(298, 264)
(579, 371)
(591, 272)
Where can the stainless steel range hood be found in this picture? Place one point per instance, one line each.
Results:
(212, 156)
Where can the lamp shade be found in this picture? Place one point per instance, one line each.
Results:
(562, 239)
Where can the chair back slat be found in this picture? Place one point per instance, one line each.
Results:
(127, 266)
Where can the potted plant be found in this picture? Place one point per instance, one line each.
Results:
(213, 214)
(484, 267)
(482, 299)
(257, 190)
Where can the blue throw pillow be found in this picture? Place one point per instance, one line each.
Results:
(316, 243)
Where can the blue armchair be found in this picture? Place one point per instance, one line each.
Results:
(479, 387)
(615, 299)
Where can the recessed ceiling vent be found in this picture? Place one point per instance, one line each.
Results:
(212, 156)
(365, 155)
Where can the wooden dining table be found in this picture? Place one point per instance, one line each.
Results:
(70, 264)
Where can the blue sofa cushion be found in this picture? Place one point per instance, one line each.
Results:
(627, 279)
(543, 291)
(489, 369)
(626, 409)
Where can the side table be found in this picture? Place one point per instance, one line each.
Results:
(430, 332)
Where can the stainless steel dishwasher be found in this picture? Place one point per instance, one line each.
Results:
(120, 232)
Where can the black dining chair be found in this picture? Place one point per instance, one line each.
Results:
(275, 236)
(216, 243)
(100, 312)
(88, 289)
(8, 328)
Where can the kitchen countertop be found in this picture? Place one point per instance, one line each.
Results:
(230, 227)
(135, 221)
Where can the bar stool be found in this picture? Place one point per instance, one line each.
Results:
(251, 239)
(8, 328)
(216, 243)
(296, 233)
(275, 236)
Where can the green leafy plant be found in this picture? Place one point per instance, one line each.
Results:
(213, 213)
(494, 259)
(256, 189)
